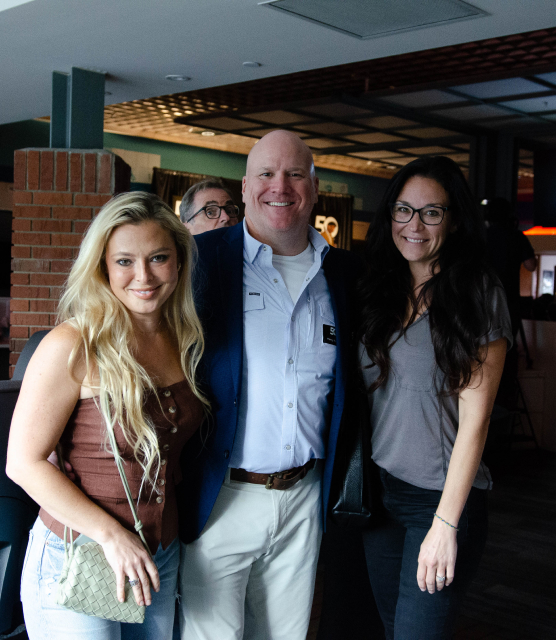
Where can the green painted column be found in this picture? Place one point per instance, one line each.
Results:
(77, 116)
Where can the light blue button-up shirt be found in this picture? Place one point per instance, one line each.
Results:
(288, 363)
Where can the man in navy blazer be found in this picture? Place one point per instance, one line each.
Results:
(276, 305)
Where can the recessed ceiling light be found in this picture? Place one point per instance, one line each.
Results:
(207, 133)
(178, 78)
(252, 64)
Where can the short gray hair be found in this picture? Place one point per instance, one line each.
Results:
(186, 204)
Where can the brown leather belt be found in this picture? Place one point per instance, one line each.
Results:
(279, 480)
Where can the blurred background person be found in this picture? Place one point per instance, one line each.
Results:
(208, 205)
(328, 233)
(507, 249)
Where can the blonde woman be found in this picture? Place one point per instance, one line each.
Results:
(125, 352)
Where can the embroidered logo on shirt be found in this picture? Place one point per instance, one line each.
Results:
(328, 334)
(252, 293)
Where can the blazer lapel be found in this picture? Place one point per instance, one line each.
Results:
(230, 270)
(336, 286)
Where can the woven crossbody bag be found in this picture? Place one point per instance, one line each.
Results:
(87, 583)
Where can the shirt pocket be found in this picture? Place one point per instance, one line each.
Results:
(412, 369)
(255, 320)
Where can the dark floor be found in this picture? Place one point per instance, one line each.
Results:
(513, 595)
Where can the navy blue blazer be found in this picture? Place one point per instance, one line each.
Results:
(219, 297)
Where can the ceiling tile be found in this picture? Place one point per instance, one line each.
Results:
(500, 88)
(259, 133)
(225, 123)
(431, 132)
(277, 116)
(402, 161)
(338, 110)
(370, 155)
(458, 157)
(427, 151)
(510, 123)
(325, 143)
(423, 98)
(472, 112)
(533, 105)
(548, 77)
(374, 138)
(386, 122)
(329, 128)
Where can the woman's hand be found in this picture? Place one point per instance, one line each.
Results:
(437, 557)
(53, 459)
(127, 557)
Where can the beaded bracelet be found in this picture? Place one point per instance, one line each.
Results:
(445, 522)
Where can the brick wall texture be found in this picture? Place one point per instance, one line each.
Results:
(57, 192)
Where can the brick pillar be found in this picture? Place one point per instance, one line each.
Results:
(57, 192)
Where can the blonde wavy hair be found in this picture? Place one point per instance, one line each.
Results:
(105, 328)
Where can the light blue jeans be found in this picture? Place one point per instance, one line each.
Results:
(46, 620)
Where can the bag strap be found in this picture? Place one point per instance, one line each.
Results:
(119, 463)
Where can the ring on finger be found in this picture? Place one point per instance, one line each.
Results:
(440, 578)
(134, 583)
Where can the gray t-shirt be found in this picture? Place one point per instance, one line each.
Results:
(414, 427)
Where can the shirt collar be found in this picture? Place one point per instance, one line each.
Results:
(252, 247)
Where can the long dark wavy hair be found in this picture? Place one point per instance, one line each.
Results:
(456, 296)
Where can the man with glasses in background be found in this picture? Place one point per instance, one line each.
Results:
(208, 205)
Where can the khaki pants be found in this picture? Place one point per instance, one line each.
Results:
(251, 573)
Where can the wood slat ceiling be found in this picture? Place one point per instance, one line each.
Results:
(387, 131)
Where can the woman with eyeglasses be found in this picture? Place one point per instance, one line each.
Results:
(434, 335)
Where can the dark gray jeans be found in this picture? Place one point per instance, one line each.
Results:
(392, 548)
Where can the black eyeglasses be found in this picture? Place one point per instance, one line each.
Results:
(214, 211)
(429, 215)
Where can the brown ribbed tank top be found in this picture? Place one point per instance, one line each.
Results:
(83, 443)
